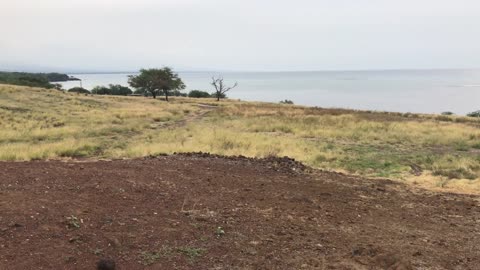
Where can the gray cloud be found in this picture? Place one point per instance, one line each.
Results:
(240, 35)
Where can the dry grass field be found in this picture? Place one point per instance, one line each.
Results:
(434, 151)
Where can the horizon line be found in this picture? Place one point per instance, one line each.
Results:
(275, 71)
(73, 71)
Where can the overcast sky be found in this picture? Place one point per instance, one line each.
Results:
(239, 34)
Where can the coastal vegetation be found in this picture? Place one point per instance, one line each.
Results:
(198, 94)
(436, 151)
(79, 90)
(286, 101)
(59, 77)
(474, 114)
(112, 89)
(34, 79)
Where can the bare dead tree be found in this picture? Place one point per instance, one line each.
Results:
(220, 87)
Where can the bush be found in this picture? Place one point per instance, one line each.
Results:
(112, 89)
(101, 90)
(173, 93)
(78, 90)
(286, 101)
(120, 90)
(57, 86)
(198, 94)
(447, 113)
(474, 114)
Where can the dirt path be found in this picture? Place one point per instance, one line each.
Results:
(195, 117)
(165, 213)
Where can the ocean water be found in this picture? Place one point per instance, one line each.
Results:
(417, 91)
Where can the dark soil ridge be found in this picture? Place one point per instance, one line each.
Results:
(202, 211)
(281, 164)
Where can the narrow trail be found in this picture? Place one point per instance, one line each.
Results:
(190, 118)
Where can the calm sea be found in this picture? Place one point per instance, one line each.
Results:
(425, 91)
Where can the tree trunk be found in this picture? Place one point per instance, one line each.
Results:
(154, 95)
(218, 97)
(166, 95)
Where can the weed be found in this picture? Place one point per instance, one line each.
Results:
(73, 222)
(80, 151)
(191, 252)
(149, 258)
(219, 231)
(166, 251)
(461, 146)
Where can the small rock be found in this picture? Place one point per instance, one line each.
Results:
(74, 239)
(105, 264)
(114, 241)
(14, 224)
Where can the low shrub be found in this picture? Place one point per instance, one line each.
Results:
(474, 114)
(198, 94)
(78, 90)
(286, 101)
(112, 89)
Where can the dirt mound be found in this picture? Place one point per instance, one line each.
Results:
(201, 211)
(281, 164)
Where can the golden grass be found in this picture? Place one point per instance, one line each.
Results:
(41, 124)
(37, 123)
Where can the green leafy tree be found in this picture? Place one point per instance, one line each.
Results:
(156, 81)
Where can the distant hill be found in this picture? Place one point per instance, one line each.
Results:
(59, 77)
(34, 79)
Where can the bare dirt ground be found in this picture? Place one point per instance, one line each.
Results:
(206, 212)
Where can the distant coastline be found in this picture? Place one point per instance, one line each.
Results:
(46, 80)
(415, 91)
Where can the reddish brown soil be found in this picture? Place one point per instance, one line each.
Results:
(164, 213)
